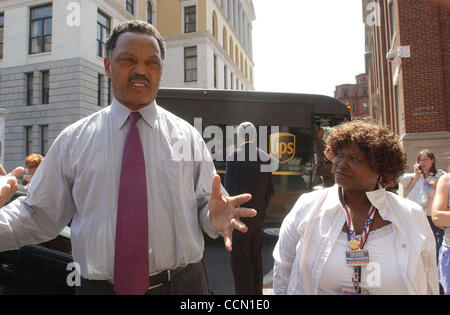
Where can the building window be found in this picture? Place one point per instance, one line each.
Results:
(28, 140)
(242, 63)
(246, 69)
(130, 6)
(99, 89)
(44, 139)
(45, 86)
(30, 83)
(354, 108)
(231, 47)
(149, 12)
(225, 78)
(2, 27)
(214, 25)
(40, 29)
(392, 16)
(190, 24)
(365, 108)
(190, 64)
(365, 92)
(232, 81)
(225, 39)
(215, 71)
(103, 29)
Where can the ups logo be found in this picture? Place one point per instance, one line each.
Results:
(282, 146)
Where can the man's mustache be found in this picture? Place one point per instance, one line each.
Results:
(138, 77)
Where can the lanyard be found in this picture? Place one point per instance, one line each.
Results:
(353, 241)
(358, 244)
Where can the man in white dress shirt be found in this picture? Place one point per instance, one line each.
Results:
(79, 179)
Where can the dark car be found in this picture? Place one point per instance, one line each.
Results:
(38, 269)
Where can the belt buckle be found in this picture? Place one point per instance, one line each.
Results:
(159, 284)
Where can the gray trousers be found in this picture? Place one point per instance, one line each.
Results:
(192, 280)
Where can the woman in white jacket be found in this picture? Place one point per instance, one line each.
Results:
(356, 237)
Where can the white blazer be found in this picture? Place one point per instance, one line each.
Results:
(310, 231)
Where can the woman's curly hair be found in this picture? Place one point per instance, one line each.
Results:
(380, 146)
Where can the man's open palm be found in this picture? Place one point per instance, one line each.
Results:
(225, 212)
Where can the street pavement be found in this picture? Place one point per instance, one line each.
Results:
(219, 268)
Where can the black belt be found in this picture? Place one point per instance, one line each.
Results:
(158, 279)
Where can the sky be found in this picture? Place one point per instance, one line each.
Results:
(307, 46)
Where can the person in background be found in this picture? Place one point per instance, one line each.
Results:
(2, 171)
(32, 162)
(243, 174)
(357, 221)
(440, 213)
(322, 168)
(422, 186)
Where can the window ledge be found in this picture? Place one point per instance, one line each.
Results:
(40, 54)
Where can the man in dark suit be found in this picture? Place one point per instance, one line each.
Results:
(243, 173)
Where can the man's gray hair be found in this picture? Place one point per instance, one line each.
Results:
(247, 131)
(136, 26)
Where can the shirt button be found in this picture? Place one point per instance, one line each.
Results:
(403, 245)
(150, 251)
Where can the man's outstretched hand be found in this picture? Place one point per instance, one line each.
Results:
(224, 212)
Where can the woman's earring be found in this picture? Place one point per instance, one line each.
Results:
(380, 179)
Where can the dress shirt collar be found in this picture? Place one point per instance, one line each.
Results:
(376, 197)
(120, 113)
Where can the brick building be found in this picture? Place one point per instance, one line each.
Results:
(356, 96)
(408, 62)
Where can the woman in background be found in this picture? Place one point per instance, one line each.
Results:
(422, 187)
(32, 162)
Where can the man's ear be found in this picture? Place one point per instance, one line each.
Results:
(107, 67)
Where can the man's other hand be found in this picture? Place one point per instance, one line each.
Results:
(225, 212)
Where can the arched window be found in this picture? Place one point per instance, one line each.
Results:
(225, 37)
(236, 56)
(214, 25)
(231, 47)
(150, 12)
(242, 64)
(246, 69)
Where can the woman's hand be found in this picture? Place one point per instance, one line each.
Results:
(417, 170)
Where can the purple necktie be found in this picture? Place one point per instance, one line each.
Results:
(131, 267)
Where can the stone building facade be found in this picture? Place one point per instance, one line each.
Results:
(51, 58)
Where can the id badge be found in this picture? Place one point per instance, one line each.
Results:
(358, 257)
